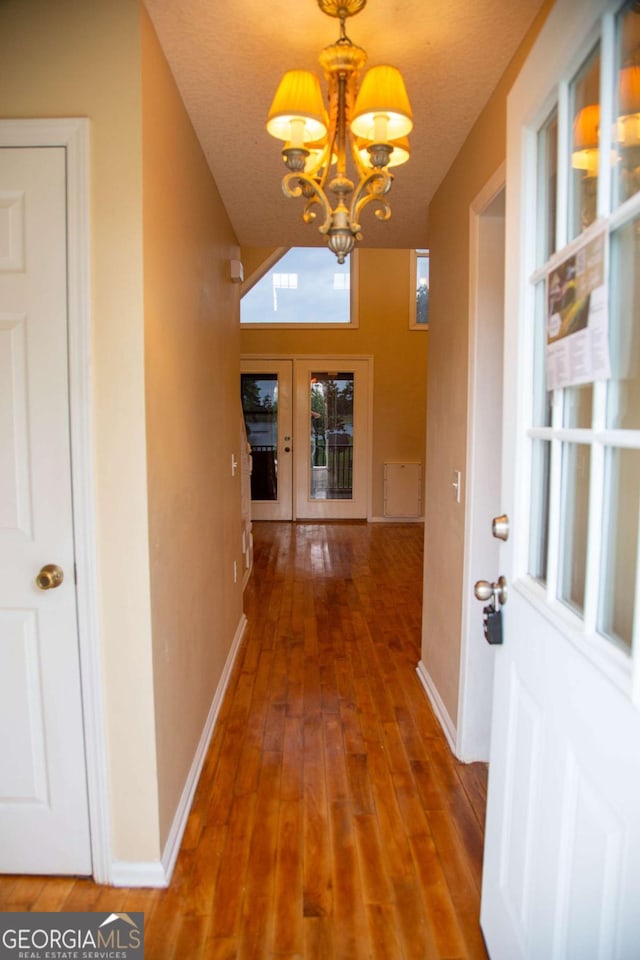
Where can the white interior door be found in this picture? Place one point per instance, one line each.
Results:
(332, 438)
(562, 856)
(44, 824)
(267, 395)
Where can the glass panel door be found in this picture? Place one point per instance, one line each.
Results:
(260, 408)
(332, 426)
(266, 405)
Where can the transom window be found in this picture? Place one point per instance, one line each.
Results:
(305, 287)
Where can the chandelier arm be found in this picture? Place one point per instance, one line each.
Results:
(362, 169)
(319, 169)
(299, 184)
(371, 189)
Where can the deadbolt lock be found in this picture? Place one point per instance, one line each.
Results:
(500, 527)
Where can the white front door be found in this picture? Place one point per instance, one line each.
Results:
(562, 855)
(44, 823)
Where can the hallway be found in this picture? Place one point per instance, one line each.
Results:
(330, 820)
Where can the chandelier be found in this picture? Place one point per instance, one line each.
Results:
(363, 130)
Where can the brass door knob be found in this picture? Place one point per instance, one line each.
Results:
(50, 577)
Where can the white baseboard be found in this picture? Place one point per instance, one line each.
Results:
(441, 712)
(158, 874)
(396, 520)
(126, 873)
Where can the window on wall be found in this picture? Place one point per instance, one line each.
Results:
(305, 287)
(419, 293)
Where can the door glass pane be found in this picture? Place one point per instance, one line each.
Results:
(626, 180)
(585, 111)
(577, 406)
(260, 408)
(539, 532)
(620, 553)
(331, 442)
(573, 535)
(542, 398)
(623, 403)
(547, 187)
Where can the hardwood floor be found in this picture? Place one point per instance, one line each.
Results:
(331, 821)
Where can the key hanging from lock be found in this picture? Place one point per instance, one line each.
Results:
(492, 624)
(496, 593)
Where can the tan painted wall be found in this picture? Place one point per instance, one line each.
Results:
(73, 58)
(481, 155)
(192, 346)
(400, 357)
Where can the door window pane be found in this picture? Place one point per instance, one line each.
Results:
(585, 103)
(620, 553)
(547, 187)
(260, 408)
(623, 404)
(539, 532)
(331, 441)
(542, 398)
(573, 535)
(577, 406)
(627, 104)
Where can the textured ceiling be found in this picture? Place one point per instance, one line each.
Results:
(227, 57)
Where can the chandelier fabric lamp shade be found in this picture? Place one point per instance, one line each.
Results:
(382, 111)
(346, 151)
(297, 113)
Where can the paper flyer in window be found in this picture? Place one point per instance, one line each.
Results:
(577, 348)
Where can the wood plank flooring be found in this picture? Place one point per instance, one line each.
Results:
(331, 821)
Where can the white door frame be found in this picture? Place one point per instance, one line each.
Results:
(73, 135)
(484, 441)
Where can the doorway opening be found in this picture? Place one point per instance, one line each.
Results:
(484, 458)
(308, 424)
